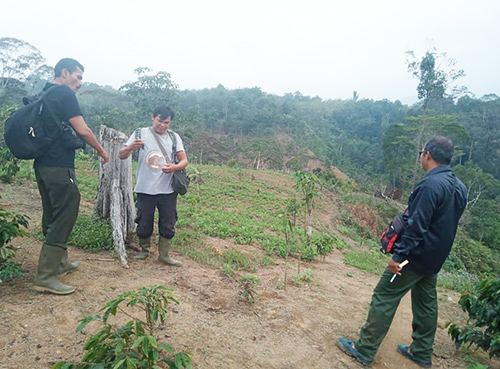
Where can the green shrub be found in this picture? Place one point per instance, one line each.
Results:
(8, 165)
(308, 252)
(10, 227)
(483, 326)
(92, 234)
(323, 244)
(135, 344)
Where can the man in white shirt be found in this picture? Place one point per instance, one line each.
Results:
(154, 181)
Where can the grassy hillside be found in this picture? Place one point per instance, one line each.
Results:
(235, 219)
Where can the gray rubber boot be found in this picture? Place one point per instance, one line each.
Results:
(145, 244)
(163, 249)
(47, 279)
(66, 266)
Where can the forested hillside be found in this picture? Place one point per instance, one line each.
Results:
(373, 142)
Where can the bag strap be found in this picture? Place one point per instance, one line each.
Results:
(174, 145)
(160, 144)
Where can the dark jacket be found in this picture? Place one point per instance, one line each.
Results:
(434, 208)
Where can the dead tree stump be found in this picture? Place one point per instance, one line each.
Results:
(115, 199)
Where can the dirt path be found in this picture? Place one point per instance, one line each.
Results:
(296, 328)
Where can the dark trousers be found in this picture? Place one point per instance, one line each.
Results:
(60, 202)
(385, 301)
(167, 209)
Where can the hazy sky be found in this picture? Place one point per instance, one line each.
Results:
(326, 48)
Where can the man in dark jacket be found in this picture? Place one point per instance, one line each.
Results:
(55, 176)
(434, 209)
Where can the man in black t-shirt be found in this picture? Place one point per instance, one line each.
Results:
(55, 176)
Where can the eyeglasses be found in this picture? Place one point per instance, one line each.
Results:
(422, 152)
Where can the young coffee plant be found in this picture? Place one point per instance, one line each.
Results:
(483, 328)
(10, 227)
(133, 345)
(306, 184)
(300, 278)
(284, 250)
(323, 243)
(247, 285)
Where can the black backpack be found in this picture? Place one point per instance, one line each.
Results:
(26, 135)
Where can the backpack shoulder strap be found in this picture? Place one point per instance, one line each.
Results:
(174, 144)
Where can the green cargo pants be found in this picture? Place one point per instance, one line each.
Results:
(385, 301)
(60, 201)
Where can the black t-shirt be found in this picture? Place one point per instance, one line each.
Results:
(60, 104)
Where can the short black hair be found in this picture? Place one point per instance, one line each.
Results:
(164, 112)
(441, 149)
(69, 64)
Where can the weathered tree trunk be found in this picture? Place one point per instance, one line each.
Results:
(115, 200)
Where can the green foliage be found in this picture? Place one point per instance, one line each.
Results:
(483, 307)
(473, 363)
(150, 91)
(435, 73)
(373, 261)
(300, 278)
(91, 234)
(10, 227)
(8, 163)
(329, 180)
(19, 61)
(135, 344)
(323, 244)
(457, 280)
(306, 184)
(247, 284)
(472, 256)
(399, 147)
(483, 223)
(308, 252)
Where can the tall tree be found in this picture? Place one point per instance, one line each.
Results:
(150, 91)
(434, 81)
(18, 61)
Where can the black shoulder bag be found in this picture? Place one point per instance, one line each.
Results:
(180, 180)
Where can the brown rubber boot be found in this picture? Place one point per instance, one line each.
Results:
(163, 249)
(145, 244)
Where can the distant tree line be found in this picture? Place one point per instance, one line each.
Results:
(374, 142)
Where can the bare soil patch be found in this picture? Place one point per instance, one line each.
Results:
(296, 328)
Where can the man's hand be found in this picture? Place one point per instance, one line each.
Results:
(136, 145)
(394, 267)
(169, 168)
(105, 157)
(126, 151)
